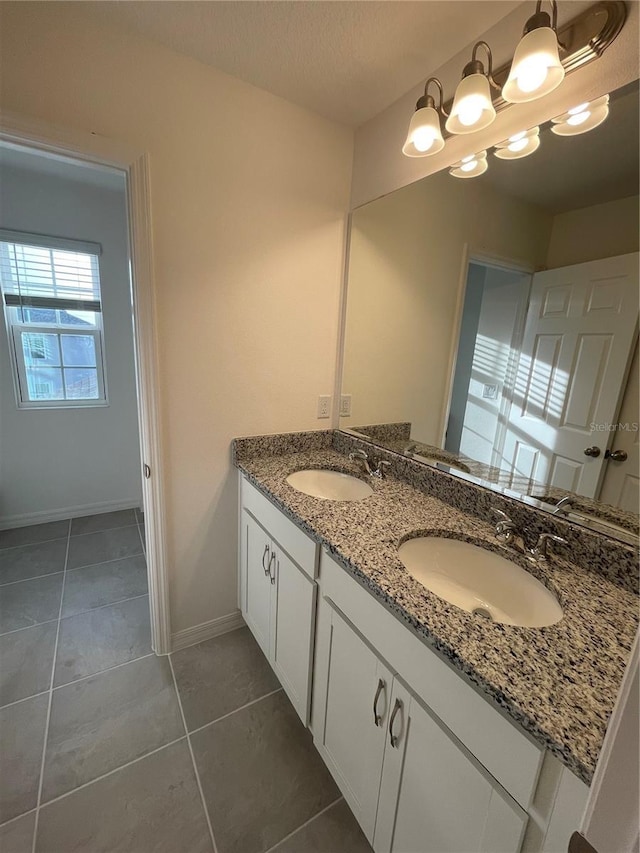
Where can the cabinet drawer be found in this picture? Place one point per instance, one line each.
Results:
(511, 756)
(301, 548)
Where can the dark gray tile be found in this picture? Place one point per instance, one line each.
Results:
(143, 534)
(104, 583)
(103, 521)
(30, 561)
(140, 515)
(33, 533)
(92, 548)
(17, 836)
(30, 602)
(152, 806)
(220, 675)
(99, 639)
(21, 741)
(261, 776)
(334, 831)
(108, 720)
(26, 658)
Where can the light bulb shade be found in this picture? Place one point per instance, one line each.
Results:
(470, 167)
(536, 69)
(424, 136)
(472, 107)
(520, 145)
(581, 119)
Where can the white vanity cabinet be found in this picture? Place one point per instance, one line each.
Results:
(278, 565)
(410, 783)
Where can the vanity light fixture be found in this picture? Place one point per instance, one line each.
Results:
(536, 69)
(582, 118)
(425, 134)
(472, 104)
(519, 145)
(471, 166)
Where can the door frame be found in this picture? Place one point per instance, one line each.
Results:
(94, 149)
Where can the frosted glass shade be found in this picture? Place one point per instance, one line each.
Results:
(519, 145)
(472, 106)
(424, 136)
(470, 167)
(536, 69)
(582, 119)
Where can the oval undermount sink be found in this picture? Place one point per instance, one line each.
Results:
(480, 581)
(329, 485)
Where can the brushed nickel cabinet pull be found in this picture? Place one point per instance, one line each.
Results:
(394, 740)
(264, 554)
(272, 559)
(377, 719)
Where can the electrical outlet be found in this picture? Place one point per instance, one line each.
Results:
(345, 406)
(324, 406)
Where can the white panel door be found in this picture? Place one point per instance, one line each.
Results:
(434, 797)
(355, 710)
(293, 629)
(258, 558)
(621, 484)
(580, 330)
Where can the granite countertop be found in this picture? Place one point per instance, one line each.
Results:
(559, 683)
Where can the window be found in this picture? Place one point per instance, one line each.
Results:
(52, 305)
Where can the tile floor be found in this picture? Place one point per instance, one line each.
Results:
(106, 747)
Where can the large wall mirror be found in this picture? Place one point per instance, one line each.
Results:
(492, 322)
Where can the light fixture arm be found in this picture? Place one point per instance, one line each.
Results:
(543, 19)
(427, 100)
(476, 67)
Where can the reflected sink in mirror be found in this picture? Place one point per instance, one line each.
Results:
(329, 485)
(480, 581)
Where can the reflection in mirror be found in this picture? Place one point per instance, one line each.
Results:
(492, 323)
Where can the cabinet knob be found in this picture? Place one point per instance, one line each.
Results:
(394, 740)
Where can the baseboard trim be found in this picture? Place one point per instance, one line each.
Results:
(27, 518)
(206, 631)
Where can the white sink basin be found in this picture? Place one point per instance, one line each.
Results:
(329, 485)
(480, 581)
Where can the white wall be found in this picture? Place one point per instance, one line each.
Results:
(406, 269)
(59, 461)
(379, 166)
(249, 194)
(601, 231)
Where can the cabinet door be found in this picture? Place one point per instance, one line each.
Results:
(256, 603)
(348, 736)
(434, 797)
(292, 619)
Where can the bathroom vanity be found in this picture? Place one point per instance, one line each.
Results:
(445, 731)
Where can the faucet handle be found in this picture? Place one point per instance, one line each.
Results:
(541, 550)
(504, 526)
(380, 468)
(358, 454)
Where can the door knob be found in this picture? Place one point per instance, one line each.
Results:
(592, 451)
(616, 456)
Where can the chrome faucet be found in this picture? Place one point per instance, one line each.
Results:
(380, 465)
(506, 531)
(563, 505)
(363, 457)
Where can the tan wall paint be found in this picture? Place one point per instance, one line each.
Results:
(407, 255)
(379, 166)
(601, 231)
(248, 200)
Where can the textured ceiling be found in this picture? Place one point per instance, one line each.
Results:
(344, 60)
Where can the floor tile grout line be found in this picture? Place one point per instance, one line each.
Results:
(49, 704)
(111, 772)
(17, 817)
(193, 758)
(235, 710)
(104, 530)
(34, 578)
(306, 823)
(142, 542)
(26, 627)
(104, 562)
(102, 671)
(102, 606)
(24, 699)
